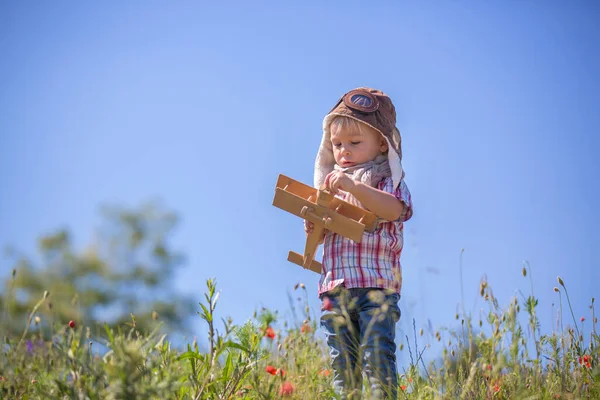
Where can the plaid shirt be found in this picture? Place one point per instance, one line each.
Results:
(375, 261)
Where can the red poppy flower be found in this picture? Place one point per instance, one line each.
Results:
(324, 372)
(270, 333)
(72, 324)
(585, 361)
(403, 387)
(305, 328)
(582, 319)
(496, 388)
(286, 388)
(271, 369)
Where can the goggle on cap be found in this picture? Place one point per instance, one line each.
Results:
(373, 108)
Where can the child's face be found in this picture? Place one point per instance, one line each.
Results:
(355, 144)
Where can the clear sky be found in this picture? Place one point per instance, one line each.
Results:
(202, 105)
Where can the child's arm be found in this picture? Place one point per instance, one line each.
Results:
(382, 204)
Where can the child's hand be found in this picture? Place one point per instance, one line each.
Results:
(309, 227)
(337, 180)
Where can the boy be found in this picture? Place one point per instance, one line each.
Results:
(359, 160)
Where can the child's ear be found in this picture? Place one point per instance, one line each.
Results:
(383, 145)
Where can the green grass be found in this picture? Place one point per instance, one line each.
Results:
(514, 360)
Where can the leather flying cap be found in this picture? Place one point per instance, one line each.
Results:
(373, 108)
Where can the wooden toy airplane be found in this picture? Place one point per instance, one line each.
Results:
(325, 211)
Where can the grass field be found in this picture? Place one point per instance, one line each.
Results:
(251, 360)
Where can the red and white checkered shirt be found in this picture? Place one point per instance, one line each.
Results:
(375, 261)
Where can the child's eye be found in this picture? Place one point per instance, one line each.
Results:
(337, 144)
(355, 143)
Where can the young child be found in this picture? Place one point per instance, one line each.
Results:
(359, 160)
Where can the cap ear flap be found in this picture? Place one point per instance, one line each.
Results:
(397, 141)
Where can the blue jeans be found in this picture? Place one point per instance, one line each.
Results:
(360, 328)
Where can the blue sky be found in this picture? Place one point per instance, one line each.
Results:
(202, 105)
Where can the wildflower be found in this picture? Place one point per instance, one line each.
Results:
(271, 369)
(324, 372)
(270, 333)
(327, 305)
(496, 387)
(72, 324)
(286, 388)
(37, 320)
(403, 387)
(582, 319)
(280, 372)
(305, 328)
(560, 281)
(556, 289)
(33, 381)
(585, 361)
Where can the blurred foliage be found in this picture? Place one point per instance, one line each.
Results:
(126, 270)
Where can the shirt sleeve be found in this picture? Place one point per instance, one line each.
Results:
(401, 193)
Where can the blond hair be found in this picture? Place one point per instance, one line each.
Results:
(343, 122)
